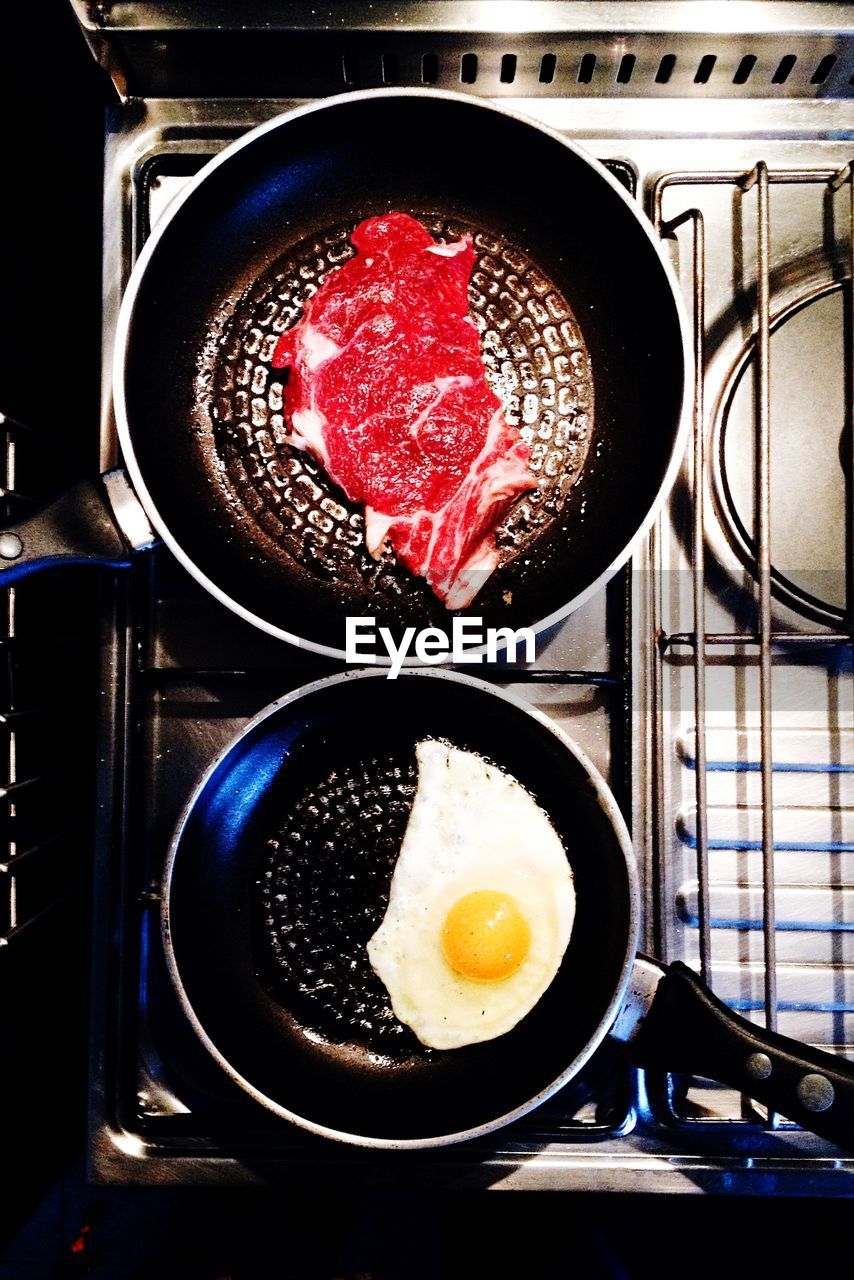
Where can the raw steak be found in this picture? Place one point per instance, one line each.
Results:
(388, 390)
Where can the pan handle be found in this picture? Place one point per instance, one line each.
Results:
(688, 1029)
(95, 522)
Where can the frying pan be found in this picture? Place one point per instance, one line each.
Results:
(335, 748)
(583, 334)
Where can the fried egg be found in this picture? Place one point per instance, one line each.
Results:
(480, 907)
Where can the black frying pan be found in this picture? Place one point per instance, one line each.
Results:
(335, 762)
(583, 335)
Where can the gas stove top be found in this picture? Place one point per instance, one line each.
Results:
(711, 683)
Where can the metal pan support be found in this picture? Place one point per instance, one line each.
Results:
(765, 638)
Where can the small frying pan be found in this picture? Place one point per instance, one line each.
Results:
(272, 974)
(583, 335)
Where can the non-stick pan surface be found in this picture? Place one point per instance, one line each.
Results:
(216, 939)
(582, 333)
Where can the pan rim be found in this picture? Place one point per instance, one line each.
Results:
(606, 800)
(125, 323)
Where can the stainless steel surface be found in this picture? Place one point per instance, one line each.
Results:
(640, 993)
(128, 511)
(520, 17)
(535, 48)
(694, 98)
(812, 1002)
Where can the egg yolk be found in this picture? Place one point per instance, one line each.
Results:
(485, 937)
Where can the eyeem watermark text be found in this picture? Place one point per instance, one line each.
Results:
(366, 643)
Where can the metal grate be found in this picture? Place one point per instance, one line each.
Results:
(763, 640)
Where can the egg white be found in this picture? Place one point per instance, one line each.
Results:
(471, 828)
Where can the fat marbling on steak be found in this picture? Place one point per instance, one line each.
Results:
(387, 389)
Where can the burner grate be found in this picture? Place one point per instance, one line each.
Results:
(764, 641)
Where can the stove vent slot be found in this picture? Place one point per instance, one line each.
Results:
(824, 69)
(468, 68)
(587, 68)
(784, 70)
(744, 68)
(429, 68)
(705, 67)
(548, 64)
(390, 69)
(349, 70)
(508, 68)
(626, 67)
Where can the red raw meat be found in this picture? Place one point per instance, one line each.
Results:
(388, 390)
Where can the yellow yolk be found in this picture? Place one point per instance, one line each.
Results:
(485, 937)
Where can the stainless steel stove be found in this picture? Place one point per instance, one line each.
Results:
(711, 683)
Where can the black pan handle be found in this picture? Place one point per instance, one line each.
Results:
(95, 522)
(688, 1029)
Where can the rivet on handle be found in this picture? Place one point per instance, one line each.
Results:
(815, 1093)
(11, 546)
(759, 1066)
